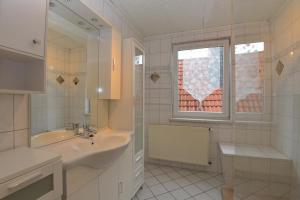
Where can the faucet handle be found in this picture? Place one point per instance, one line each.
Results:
(75, 125)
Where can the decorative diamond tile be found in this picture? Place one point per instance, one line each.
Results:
(60, 79)
(76, 80)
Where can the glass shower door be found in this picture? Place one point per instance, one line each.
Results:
(139, 99)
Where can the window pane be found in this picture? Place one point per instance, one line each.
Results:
(249, 77)
(200, 80)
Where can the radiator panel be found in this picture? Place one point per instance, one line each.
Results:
(179, 143)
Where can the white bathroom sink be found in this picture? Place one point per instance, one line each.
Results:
(47, 138)
(96, 153)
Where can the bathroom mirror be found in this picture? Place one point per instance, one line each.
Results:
(72, 77)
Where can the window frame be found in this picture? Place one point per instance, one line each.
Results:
(225, 115)
(249, 116)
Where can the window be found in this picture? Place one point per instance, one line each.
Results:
(201, 75)
(249, 73)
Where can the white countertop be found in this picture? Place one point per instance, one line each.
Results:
(16, 162)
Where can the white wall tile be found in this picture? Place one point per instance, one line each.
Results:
(21, 138)
(6, 141)
(6, 110)
(20, 112)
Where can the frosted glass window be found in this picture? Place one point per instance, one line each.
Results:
(249, 77)
(202, 74)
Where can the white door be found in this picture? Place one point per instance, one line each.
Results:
(23, 25)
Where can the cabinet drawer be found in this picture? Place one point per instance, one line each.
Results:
(43, 184)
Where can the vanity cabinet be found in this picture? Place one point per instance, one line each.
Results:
(116, 182)
(110, 64)
(113, 182)
(109, 183)
(23, 26)
(22, 46)
(88, 192)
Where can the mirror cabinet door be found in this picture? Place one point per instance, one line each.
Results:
(139, 99)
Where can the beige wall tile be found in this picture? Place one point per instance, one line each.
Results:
(6, 112)
(20, 112)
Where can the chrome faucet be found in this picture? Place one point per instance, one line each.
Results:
(88, 131)
(75, 128)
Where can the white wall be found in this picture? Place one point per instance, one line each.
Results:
(286, 87)
(159, 94)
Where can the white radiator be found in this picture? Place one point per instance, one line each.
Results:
(179, 143)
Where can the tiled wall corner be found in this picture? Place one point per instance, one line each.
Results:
(13, 121)
(286, 96)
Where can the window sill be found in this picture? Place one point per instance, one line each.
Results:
(200, 120)
(213, 121)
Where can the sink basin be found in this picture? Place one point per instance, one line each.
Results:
(97, 153)
(50, 137)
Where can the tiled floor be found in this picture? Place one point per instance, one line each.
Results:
(171, 183)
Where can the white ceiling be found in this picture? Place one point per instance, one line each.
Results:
(153, 17)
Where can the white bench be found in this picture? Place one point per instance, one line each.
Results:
(255, 162)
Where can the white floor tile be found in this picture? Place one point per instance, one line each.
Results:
(202, 196)
(204, 186)
(171, 185)
(183, 182)
(163, 178)
(166, 196)
(151, 181)
(158, 189)
(144, 193)
(192, 190)
(180, 194)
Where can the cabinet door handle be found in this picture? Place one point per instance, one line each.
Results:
(113, 64)
(120, 187)
(36, 41)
